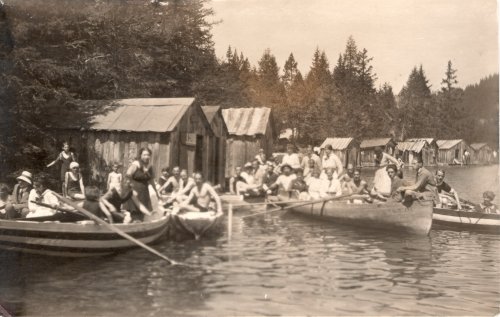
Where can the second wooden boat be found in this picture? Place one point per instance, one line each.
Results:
(466, 220)
(389, 216)
(195, 224)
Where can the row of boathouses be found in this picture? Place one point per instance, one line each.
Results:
(181, 132)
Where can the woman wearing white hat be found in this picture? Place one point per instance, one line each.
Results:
(74, 183)
(18, 207)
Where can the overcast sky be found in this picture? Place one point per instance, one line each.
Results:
(398, 34)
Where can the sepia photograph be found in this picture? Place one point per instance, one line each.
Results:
(249, 158)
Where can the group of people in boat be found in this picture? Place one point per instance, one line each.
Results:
(126, 199)
(312, 178)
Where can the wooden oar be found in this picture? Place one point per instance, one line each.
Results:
(115, 229)
(268, 203)
(295, 205)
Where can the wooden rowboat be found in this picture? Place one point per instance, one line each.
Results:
(389, 216)
(195, 224)
(466, 220)
(75, 239)
(242, 203)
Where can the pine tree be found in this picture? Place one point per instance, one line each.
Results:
(415, 100)
(450, 80)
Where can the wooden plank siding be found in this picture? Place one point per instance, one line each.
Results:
(99, 149)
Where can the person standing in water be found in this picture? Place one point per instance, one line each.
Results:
(141, 175)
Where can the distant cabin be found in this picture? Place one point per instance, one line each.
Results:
(429, 152)
(175, 129)
(217, 148)
(411, 149)
(482, 154)
(250, 129)
(367, 149)
(347, 149)
(451, 152)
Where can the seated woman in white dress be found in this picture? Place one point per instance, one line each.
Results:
(41, 194)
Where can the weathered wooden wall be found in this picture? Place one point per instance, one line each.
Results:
(483, 156)
(216, 149)
(446, 156)
(367, 155)
(242, 149)
(184, 155)
(98, 150)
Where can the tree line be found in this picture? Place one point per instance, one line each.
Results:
(54, 52)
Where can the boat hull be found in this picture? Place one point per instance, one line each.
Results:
(466, 220)
(189, 225)
(390, 216)
(75, 239)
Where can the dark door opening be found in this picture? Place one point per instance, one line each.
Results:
(198, 155)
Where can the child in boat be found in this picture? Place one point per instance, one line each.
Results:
(165, 172)
(114, 178)
(92, 204)
(487, 206)
(74, 182)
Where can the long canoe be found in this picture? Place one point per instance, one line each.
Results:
(389, 216)
(195, 224)
(80, 239)
(466, 220)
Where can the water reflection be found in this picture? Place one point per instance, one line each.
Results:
(274, 265)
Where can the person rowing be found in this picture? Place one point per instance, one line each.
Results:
(381, 180)
(443, 187)
(200, 198)
(424, 186)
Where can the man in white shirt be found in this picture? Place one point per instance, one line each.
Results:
(332, 186)
(284, 181)
(331, 161)
(291, 158)
(40, 193)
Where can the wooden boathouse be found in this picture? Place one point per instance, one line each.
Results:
(347, 149)
(175, 129)
(451, 152)
(429, 152)
(367, 149)
(217, 146)
(250, 129)
(482, 153)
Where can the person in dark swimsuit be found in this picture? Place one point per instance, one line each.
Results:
(140, 173)
(65, 157)
(74, 183)
(114, 198)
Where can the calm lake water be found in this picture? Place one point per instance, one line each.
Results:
(278, 264)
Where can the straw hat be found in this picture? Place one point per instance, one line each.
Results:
(73, 165)
(26, 176)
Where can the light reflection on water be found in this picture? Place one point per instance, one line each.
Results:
(277, 265)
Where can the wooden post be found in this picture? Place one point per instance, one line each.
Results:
(229, 222)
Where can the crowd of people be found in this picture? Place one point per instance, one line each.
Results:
(306, 177)
(314, 177)
(127, 199)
